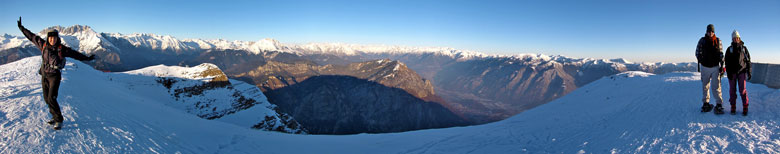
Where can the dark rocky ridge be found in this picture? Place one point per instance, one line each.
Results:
(333, 104)
(273, 75)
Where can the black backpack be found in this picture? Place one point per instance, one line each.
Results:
(711, 56)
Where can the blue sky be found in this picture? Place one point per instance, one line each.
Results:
(642, 31)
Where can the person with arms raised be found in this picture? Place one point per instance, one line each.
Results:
(53, 55)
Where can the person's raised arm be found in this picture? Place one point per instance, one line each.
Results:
(35, 39)
(68, 52)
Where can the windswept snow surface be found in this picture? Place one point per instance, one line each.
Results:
(633, 112)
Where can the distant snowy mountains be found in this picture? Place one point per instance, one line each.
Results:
(86, 40)
(477, 87)
(136, 112)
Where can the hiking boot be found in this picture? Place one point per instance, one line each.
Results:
(50, 122)
(733, 110)
(744, 111)
(719, 109)
(707, 107)
(57, 125)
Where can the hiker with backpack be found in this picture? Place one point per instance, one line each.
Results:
(709, 53)
(738, 69)
(53, 55)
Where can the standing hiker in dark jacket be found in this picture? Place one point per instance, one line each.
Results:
(709, 53)
(738, 70)
(53, 55)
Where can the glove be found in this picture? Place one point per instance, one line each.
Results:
(19, 22)
(90, 58)
(749, 76)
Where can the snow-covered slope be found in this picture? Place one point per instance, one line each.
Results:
(202, 90)
(631, 112)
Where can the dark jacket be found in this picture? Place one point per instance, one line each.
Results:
(737, 59)
(709, 53)
(58, 49)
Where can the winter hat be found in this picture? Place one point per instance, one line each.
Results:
(52, 32)
(735, 34)
(710, 28)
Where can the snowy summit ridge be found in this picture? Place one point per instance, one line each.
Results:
(85, 39)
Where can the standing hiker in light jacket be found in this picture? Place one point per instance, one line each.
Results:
(738, 69)
(709, 53)
(53, 55)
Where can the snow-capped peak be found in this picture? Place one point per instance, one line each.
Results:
(71, 30)
(620, 60)
(199, 72)
(266, 44)
(8, 42)
(157, 42)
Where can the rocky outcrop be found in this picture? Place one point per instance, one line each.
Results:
(204, 90)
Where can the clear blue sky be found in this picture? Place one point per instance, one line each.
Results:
(637, 30)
